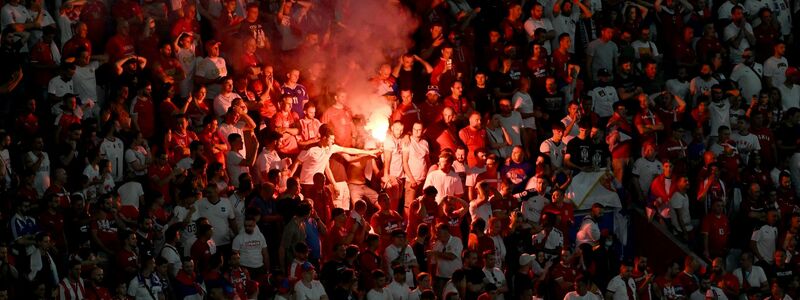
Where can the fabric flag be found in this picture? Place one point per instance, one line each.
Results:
(587, 188)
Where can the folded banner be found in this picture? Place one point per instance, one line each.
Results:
(587, 188)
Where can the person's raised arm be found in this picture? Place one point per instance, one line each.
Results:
(425, 64)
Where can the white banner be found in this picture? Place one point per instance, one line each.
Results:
(586, 189)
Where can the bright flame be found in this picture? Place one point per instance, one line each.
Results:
(378, 122)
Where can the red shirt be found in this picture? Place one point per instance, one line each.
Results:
(718, 230)
(473, 139)
(414, 219)
(675, 152)
(684, 53)
(451, 218)
(766, 140)
(689, 283)
(336, 234)
(127, 259)
(94, 14)
(566, 212)
(126, 10)
(706, 46)
(210, 138)
(70, 48)
(178, 147)
(97, 293)
(159, 172)
(238, 278)
(622, 149)
(106, 228)
(201, 253)
(42, 55)
(64, 121)
(119, 47)
(54, 224)
(385, 222)
(184, 25)
(29, 124)
(567, 274)
(561, 65)
(731, 282)
(647, 118)
(406, 114)
(461, 106)
(144, 109)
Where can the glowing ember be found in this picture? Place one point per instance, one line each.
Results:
(378, 128)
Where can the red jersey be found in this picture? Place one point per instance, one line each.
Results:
(238, 277)
(159, 172)
(340, 120)
(561, 65)
(42, 54)
(566, 274)
(106, 228)
(414, 219)
(70, 48)
(209, 138)
(688, 283)
(336, 234)
(473, 139)
(674, 151)
(450, 217)
(178, 147)
(406, 114)
(623, 148)
(461, 106)
(766, 140)
(65, 120)
(731, 282)
(385, 222)
(53, 224)
(28, 124)
(566, 212)
(143, 110)
(647, 118)
(97, 293)
(201, 253)
(718, 230)
(127, 259)
(119, 47)
(94, 14)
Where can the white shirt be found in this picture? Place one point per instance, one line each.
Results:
(172, 256)
(532, 208)
(512, 124)
(531, 25)
(678, 88)
(730, 32)
(713, 292)
(495, 276)
(395, 147)
(269, 160)
(233, 160)
(314, 293)
(138, 289)
(647, 171)
(603, 54)
(212, 68)
(790, 97)
(746, 144)
(445, 268)
(679, 205)
(249, 246)
(223, 101)
(566, 24)
(59, 87)
(132, 156)
(41, 181)
(446, 184)
(113, 151)
(748, 80)
(698, 87)
(218, 215)
(14, 14)
(314, 161)
(189, 229)
(644, 47)
(719, 113)
(589, 296)
(392, 253)
(398, 291)
(418, 152)
(524, 104)
(84, 82)
(484, 211)
(555, 239)
(376, 295)
(765, 238)
(129, 193)
(755, 277)
(226, 129)
(589, 232)
(775, 69)
(603, 99)
(555, 151)
(619, 288)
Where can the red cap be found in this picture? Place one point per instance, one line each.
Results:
(792, 71)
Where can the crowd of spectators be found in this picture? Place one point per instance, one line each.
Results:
(212, 149)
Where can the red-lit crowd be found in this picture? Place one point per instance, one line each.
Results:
(210, 150)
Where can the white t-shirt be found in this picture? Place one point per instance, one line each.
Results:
(447, 184)
(790, 97)
(746, 144)
(713, 293)
(512, 124)
(269, 160)
(114, 151)
(775, 69)
(314, 161)
(395, 147)
(233, 160)
(189, 230)
(555, 239)
(212, 68)
(495, 276)
(172, 256)
(132, 156)
(524, 104)
(41, 181)
(698, 86)
(679, 208)
(765, 238)
(392, 253)
(398, 291)
(129, 193)
(566, 24)
(678, 88)
(756, 276)
(646, 170)
(532, 208)
(226, 129)
(618, 287)
(417, 158)
(644, 47)
(603, 54)
(555, 151)
(719, 113)
(484, 211)
(84, 81)
(749, 81)
(603, 99)
(384, 294)
(14, 14)
(223, 101)
(249, 247)
(219, 216)
(736, 51)
(316, 291)
(59, 87)
(575, 296)
(531, 25)
(445, 268)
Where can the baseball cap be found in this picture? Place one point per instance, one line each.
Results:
(525, 259)
(792, 71)
(433, 89)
